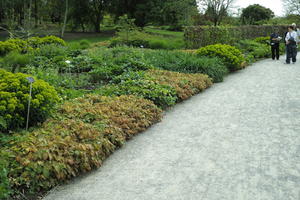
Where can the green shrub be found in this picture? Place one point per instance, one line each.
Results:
(187, 63)
(158, 86)
(22, 44)
(253, 49)
(84, 44)
(185, 85)
(25, 46)
(36, 42)
(52, 40)
(115, 61)
(162, 95)
(15, 61)
(263, 40)
(14, 94)
(86, 132)
(51, 50)
(6, 47)
(230, 56)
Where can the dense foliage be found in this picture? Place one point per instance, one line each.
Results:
(231, 56)
(25, 46)
(187, 63)
(14, 94)
(255, 13)
(164, 88)
(83, 134)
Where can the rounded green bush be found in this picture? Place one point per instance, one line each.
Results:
(14, 94)
(230, 56)
(84, 44)
(6, 47)
(52, 40)
(263, 40)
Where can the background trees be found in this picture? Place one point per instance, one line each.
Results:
(216, 10)
(292, 6)
(255, 13)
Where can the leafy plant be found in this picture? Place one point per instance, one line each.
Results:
(85, 132)
(115, 61)
(14, 61)
(162, 95)
(185, 85)
(5, 189)
(14, 94)
(187, 63)
(230, 56)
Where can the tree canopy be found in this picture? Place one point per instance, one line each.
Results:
(255, 13)
(88, 14)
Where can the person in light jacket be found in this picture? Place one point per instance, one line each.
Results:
(291, 45)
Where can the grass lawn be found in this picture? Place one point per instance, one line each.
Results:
(176, 34)
(91, 37)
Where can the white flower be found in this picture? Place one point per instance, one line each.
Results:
(68, 62)
(142, 46)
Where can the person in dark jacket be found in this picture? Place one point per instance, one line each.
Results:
(275, 42)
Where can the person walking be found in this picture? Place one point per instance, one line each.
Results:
(275, 42)
(291, 45)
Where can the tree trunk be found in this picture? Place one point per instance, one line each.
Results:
(35, 14)
(97, 24)
(65, 19)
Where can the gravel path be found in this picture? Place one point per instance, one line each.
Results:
(239, 140)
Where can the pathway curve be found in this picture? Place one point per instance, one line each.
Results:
(239, 140)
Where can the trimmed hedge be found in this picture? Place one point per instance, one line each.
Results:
(230, 56)
(86, 131)
(14, 94)
(200, 36)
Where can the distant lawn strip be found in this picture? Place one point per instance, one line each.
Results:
(167, 33)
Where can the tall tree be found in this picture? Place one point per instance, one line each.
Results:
(255, 13)
(292, 6)
(65, 19)
(216, 10)
(98, 9)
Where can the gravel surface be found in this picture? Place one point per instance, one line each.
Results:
(238, 140)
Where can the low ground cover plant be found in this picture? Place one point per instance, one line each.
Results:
(187, 63)
(116, 61)
(164, 88)
(254, 50)
(84, 132)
